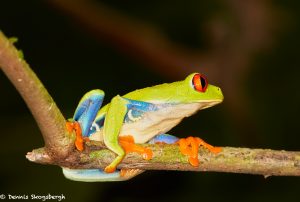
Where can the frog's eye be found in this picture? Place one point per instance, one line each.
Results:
(200, 83)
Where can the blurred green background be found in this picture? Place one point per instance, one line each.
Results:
(248, 48)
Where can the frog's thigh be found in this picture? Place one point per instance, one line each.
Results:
(98, 175)
(164, 138)
(87, 109)
(92, 175)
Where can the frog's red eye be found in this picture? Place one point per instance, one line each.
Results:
(200, 83)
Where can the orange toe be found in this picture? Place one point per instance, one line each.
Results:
(208, 146)
(79, 143)
(147, 154)
(109, 169)
(194, 161)
(216, 150)
(71, 126)
(189, 147)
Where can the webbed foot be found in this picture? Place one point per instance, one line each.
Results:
(127, 142)
(190, 147)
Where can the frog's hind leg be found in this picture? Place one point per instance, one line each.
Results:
(87, 109)
(84, 115)
(97, 175)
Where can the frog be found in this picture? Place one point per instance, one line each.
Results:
(138, 117)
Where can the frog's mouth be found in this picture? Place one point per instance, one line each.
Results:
(209, 103)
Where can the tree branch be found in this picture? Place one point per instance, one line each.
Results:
(168, 157)
(47, 115)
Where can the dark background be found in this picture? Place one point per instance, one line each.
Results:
(248, 48)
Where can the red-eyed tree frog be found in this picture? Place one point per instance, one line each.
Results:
(141, 116)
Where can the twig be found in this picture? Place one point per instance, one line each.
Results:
(168, 157)
(49, 118)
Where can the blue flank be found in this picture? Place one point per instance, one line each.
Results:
(136, 108)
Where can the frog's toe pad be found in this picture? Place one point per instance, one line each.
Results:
(110, 169)
(147, 154)
(194, 161)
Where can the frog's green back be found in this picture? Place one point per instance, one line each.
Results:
(179, 92)
(176, 92)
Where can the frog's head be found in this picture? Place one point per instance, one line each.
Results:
(196, 89)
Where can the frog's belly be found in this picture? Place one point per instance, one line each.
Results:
(153, 123)
(144, 131)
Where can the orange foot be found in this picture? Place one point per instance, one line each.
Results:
(127, 142)
(79, 139)
(190, 146)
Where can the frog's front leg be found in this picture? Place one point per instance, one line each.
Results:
(113, 123)
(84, 115)
(188, 146)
